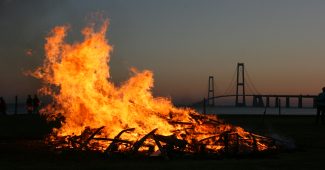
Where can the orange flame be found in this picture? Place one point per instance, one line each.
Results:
(77, 77)
(86, 97)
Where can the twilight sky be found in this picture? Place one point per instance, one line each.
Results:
(281, 42)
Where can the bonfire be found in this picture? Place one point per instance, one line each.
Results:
(98, 115)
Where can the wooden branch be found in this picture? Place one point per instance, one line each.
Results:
(139, 143)
(84, 144)
(171, 140)
(117, 140)
(211, 137)
(162, 150)
(181, 123)
(113, 146)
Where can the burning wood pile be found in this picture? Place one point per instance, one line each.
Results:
(187, 141)
(126, 119)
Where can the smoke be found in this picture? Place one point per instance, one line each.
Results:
(284, 141)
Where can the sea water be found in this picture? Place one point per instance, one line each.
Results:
(227, 110)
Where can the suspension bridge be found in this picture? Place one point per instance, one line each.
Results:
(242, 82)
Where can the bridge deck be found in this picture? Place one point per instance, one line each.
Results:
(270, 95)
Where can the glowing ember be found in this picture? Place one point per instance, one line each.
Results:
(77, 77)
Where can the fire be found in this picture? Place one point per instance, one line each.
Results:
(77, 77)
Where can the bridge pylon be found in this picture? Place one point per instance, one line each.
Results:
(211, 91)
(240, 86)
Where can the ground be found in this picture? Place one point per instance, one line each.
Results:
(21, 146)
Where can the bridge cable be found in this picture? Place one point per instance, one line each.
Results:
(231, 85)
(250, 89)
(250, 82)
(231, 89)
(253, 88)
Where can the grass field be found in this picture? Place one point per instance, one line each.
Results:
(21, 147)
